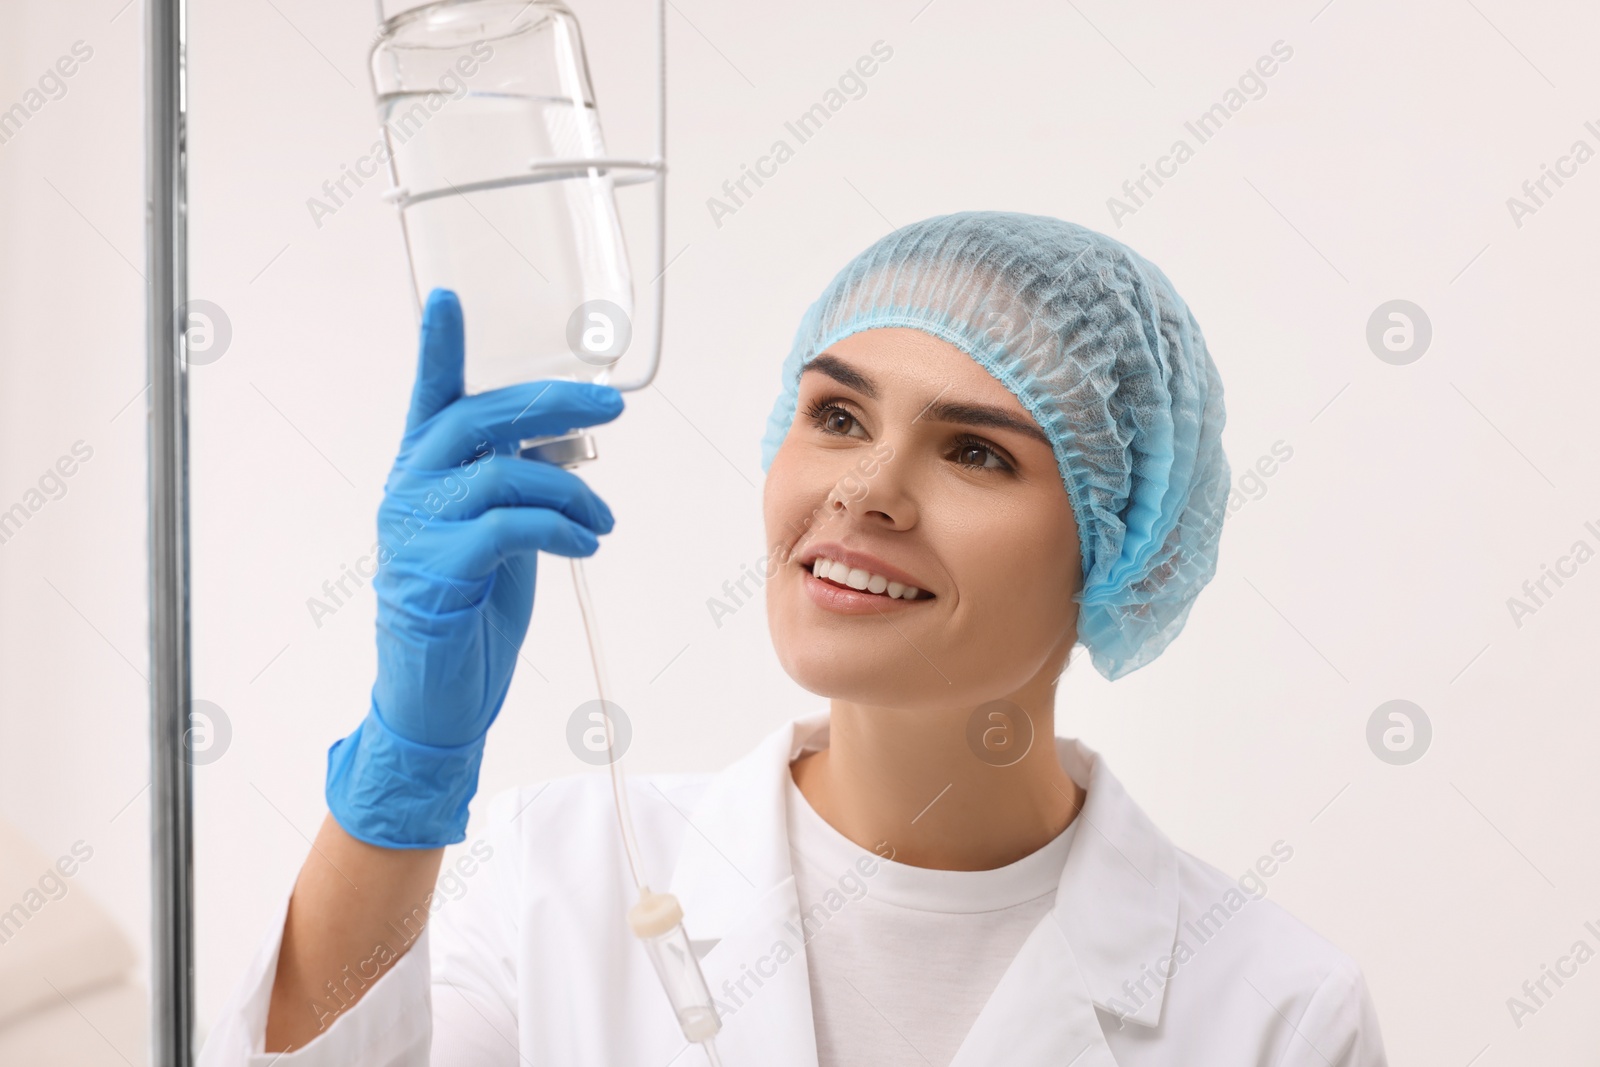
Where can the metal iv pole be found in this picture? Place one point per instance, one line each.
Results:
(166, 291)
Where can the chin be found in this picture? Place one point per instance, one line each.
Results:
(859, 680)
(820, 662)
(877, 669)
(831, 659)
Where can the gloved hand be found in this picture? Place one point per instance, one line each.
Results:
(462, 522)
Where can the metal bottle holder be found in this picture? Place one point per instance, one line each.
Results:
(538, 96)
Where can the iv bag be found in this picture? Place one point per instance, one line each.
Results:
(488, 117)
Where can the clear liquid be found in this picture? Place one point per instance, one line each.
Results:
(522, 258)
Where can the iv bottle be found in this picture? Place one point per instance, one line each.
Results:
(488, 116)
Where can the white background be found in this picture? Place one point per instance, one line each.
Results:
(1377, 564)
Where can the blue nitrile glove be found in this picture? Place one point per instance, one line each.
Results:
(462, 522)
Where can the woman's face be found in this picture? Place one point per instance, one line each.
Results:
(906, 461)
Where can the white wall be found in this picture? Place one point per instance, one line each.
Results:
(1377, 564)
(73, 762)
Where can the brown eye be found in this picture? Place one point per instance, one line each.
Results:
(838, 421)
(979, 455)
(972, 455)
(831, 417)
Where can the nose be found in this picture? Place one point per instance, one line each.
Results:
(875, 492)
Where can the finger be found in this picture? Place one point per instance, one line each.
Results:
(516, 482)
(512, 413)
(441, 356)
(500, 533)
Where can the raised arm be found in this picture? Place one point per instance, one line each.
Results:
(461, 525)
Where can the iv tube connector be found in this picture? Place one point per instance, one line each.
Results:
(657, 918)
(564, 450)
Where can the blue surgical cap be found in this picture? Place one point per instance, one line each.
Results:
(1107, 358)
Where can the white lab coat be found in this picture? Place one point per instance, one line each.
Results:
(533, 964)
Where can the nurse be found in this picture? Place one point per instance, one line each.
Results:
(998, 437)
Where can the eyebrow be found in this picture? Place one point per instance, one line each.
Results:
(966, 414)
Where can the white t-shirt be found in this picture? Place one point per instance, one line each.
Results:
(901, 962)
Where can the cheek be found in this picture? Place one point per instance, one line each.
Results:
(784, 514)
(789, 502)
(1019, 575)
(778, 502)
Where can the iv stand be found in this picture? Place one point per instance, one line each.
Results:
(166, 292)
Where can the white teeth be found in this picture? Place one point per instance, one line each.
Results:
(859, 578)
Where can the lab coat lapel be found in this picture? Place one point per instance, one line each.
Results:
(1117, 902)
(1115, 921)
(734, 880)
(757, 974)
(1041, 1014)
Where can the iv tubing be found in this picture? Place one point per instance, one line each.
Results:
(580, 584)
(619, 790)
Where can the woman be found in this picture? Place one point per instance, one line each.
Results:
(998, 437)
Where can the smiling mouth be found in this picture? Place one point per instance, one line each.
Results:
(863, 581)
